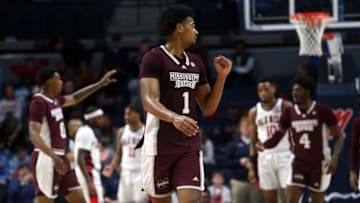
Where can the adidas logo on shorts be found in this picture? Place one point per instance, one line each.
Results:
(195, 179)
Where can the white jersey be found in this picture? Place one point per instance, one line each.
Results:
(267, 122)
(85, 139)
(131, 157)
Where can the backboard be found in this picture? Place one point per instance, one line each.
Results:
(273, 15)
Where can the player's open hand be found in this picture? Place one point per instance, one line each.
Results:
(60, 165)
(252, 176)
(106, 79)
(331, 166)
(186, 125)
(222, 65)
(259, 147)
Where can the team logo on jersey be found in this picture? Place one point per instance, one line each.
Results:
(192, 64)
(57, 114)
(184, 79)
(195, 179)
(304, 125)
(163, 183)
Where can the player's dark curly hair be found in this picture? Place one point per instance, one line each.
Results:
(307, 82)
(266, 79)
(134, 108)
(171, 17)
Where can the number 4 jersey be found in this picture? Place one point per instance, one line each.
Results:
(267, 122)
(308, 131)
(178, 80)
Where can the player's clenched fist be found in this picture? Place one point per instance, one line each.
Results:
(222, 65)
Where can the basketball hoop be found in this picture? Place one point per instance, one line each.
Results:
(310, 28)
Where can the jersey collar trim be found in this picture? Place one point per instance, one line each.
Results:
(175, 60)
(44, 97)
(297, 110)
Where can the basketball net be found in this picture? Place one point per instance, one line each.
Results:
(310, 28)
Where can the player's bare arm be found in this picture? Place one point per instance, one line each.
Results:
(253, 131)
(275, 139)
(150, 95)
(254, 140)
(35, 138)
(117, 157)
(286, 104)
(81, 94)
(339, 143)
(82, 165)
(209, 98)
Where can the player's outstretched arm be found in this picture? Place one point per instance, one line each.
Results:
(209, 98)
(338, 146)
(35, 138)
(150, 94)
(82, 93)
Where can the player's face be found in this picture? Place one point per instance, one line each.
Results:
(56, 83)
(188, 32)
(266, 92)
(130, 116)
(299, 93)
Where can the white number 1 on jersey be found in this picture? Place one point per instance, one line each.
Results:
(304, 140)
(186, 109)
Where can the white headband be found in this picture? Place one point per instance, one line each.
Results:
(93, 114)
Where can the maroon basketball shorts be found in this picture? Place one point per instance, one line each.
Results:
(47, 180)
(309, 175)
(165, 173)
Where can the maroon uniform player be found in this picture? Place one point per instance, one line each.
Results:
(172, 82)
(354, 154)
(307, 122)
(51, 169)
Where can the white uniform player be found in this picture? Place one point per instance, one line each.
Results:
(130, 179)
(86, 140)
(273, 164)
(128, 158)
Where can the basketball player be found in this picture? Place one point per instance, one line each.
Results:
(50, 167)
(307, 122)
(354, 154)
(129, 158)
(172, 82)
(273, 164)
(87, 157)
(73, 126)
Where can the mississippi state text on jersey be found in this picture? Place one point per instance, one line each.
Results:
(178, 80)
(308, 130)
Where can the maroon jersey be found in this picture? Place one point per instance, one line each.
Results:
(49, 113)
(178, 80)
(308, 131)
(355, 144)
